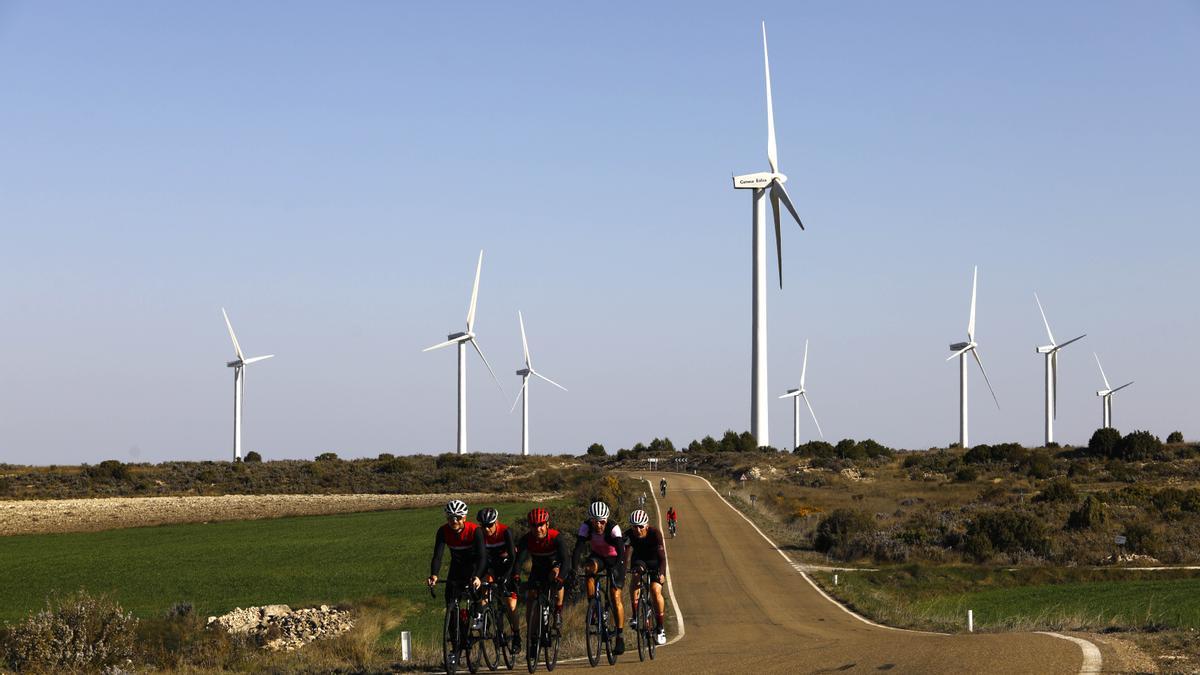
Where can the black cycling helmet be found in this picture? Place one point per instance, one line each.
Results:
(487, 516)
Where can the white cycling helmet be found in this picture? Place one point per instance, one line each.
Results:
(599, 511)
(639, 518)
(456, 507)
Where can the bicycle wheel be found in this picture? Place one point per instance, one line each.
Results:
(647, 622)
(535, 636)
(487, 633)
(552, 637)
(609, 631)
(643, 646)
(450, 640)
(593, 628)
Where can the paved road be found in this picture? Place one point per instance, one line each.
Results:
(747, 610)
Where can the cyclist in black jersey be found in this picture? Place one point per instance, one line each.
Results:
(467, 553)
(662, 487)
(644, 549)
(500, 568)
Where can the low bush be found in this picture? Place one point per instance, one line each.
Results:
(1139, 445)
(253, 456)
(1057, 490)
(836, 531)
(77, 632)
(1008, 532)
(1090, 515)
(1175, 437)
(1103, 442)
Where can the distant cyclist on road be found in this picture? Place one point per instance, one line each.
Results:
(662, 487)
(644, 551)
(607, 546)
(548, 549)
(467, 552)
(501, 568)
(672, 520)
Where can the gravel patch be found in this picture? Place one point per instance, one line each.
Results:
(93, 515)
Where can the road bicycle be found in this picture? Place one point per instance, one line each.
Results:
(492, 641)
(461, 641)
(643, 614)
(544, 634)
(599, 628)
(671, 526)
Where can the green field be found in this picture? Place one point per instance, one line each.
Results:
(939, 598)
(218, 566)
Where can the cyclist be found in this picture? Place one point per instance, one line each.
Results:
(501, 556)
(467, 553)
(672, 519)
(644, 551)
(662, 487)
(608, 554)
(548, 549)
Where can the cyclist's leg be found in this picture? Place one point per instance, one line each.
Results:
(590, 568)
(659, 604)
(616, 580)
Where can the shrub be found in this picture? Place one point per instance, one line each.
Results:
(596, 450)
(385, 457)
(1104, 442)
(1057, 490)
(816, 449)
(835, 531)
(1143, 538)
(1139, 445)
(253, 456)
(109, 469)
(1038, 464)
(77, 632)
(1090, 515)
(966, 474)
(1010, 532)
(327, 457)
(1175, 437)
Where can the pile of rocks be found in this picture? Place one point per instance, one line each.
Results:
(280, 628)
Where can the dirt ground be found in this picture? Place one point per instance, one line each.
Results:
(92, 515)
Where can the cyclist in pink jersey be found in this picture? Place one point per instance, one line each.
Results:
(607, 552)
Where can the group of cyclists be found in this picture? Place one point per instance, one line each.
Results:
(485, 552)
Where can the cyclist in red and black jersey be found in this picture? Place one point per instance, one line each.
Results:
(467, 553)
(607, 546)
(672, 519)
(644, 550)
(501, 568)
(548, 549)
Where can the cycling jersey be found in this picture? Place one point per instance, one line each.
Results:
(648, 550)
(546, 553)
(604, 544)
(467, 552)
(671, 515)
(501, 552)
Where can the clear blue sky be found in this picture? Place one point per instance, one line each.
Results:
(329, 172)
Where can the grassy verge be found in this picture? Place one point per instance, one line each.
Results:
(937, 598)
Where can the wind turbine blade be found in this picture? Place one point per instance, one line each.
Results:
(814, 415)
(778, 234)
(524, 343)
(474, 293)
(959, 353)
(772, 151)
(256, 359)
(1119, 388)
(1039, 304)
(975, 353)
(489, 366)
(524, 383)
(1054, 378)
(1102, 375)
(971, 322)
(804, 368)
(439, 345)
(777, 188)
(1072, 340)
(549, 380)
(236, 347)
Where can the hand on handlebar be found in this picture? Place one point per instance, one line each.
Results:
(431, 581)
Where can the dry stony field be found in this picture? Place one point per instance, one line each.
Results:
(92, 515)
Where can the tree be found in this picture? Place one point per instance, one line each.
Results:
(1175, 437)
(253, 456)
(1090, 515)
(1104, 442)
(327, 457)
(596, 450)
(1139, 445)
(837, 529)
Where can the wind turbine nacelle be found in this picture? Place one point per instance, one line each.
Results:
(523, 372)
(455, 336)
(233, 364)
(756, 181)
(957, 346)
(1104, 392)
(1045, 349)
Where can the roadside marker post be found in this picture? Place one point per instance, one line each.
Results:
(970, 621)
(405, 646)
(835, 580)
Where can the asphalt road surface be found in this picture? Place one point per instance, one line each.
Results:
(747, 610)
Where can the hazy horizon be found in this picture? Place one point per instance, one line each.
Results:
(329, 178)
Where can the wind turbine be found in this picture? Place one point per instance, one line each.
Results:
(796, 395)
(1106, 393)
(523, 395)
(461, 339)
(960, 350)
(1051, 351)
(239, 384)
(763, 183)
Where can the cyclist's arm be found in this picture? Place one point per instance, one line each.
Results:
(439, 545)
(619, 543)
(581, 545)
(562, 555)
(511, 559)
(522, 554)
(628, 556)
(480, 553)
(661, 550)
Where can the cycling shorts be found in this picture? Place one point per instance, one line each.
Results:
(614, 568)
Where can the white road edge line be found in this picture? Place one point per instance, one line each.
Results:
(1092, 661)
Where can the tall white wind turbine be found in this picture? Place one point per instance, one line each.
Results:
(239, 383)
(462, 339)
(764, 183)
(796, 395)
(1051, 351)
(960, 350)
(523, 395)
(1106, 393)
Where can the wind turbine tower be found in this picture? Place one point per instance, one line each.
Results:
(763, 184)
(796, 395)
(523, 395)
(239, 383)
(960, 350)
(1051, 352)
(1106, 393)
(462, 339)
